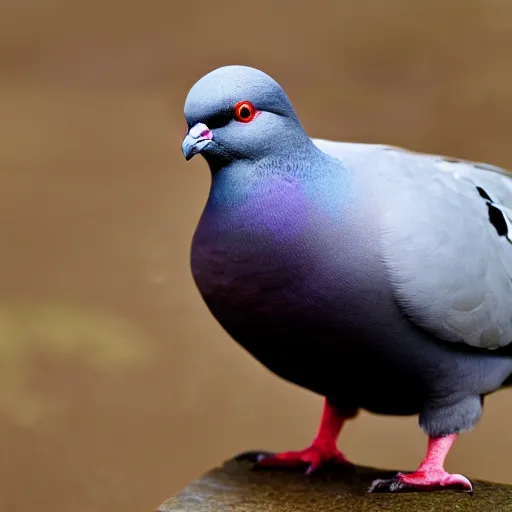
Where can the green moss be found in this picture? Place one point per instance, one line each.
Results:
(237, 487)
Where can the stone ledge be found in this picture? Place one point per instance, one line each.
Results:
(236, 486)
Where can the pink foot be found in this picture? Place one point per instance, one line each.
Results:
(313, 457)
(423, 480)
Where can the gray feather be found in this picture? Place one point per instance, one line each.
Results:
(450, 268)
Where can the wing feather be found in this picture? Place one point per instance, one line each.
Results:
(446, 239)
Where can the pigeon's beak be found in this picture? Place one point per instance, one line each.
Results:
(197, 138)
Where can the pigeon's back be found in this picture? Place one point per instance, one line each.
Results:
(446, 238)
(496, 180)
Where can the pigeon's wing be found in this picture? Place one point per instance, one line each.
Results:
(446, 240)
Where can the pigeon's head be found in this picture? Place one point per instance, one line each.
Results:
(238, 112)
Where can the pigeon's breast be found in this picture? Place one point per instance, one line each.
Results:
(278, 248)
(291, 270)
(274, 208)
(246, 251)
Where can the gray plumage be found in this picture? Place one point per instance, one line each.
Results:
(375, 276)
(450, 269)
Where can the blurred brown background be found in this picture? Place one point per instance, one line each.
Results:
(116, 385)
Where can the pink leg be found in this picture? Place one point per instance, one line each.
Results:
(430, 475)
(322, 450)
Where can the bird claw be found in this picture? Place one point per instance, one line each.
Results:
(313, 458)
(422, 482)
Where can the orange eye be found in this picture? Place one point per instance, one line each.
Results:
(245, 111)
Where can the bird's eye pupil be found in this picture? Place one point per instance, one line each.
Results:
(245, 111)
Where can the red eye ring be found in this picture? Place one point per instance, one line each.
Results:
(245, 111)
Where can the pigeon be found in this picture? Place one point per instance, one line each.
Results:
(373, 276)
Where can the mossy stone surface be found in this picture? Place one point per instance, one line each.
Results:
(237, 487)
